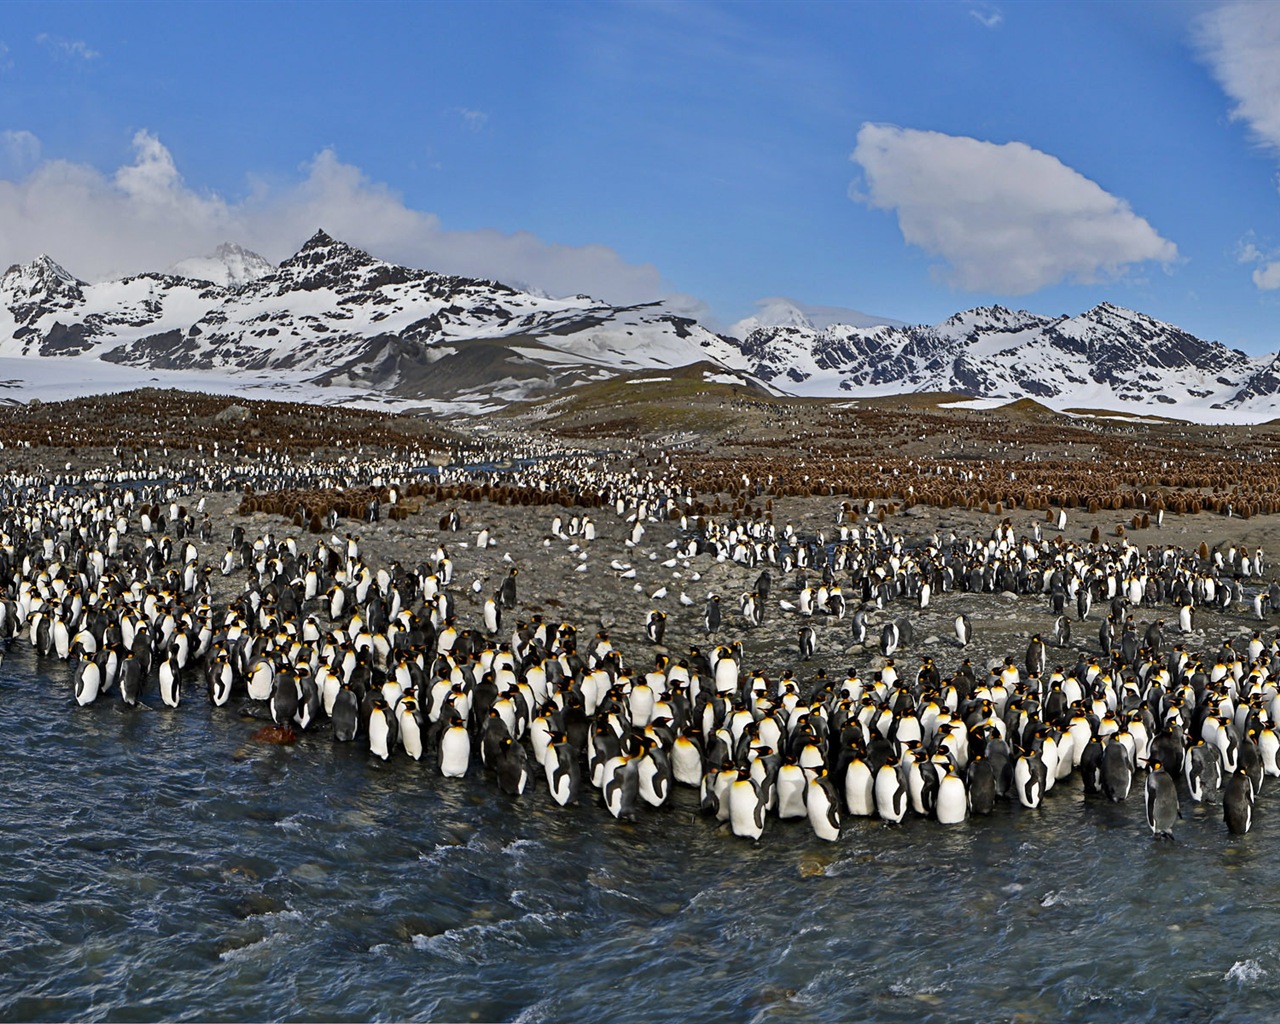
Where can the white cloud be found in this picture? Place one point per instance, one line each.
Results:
(6, 62)
(144, 216)
(20, 149)
(67, 49)
(1241, 43)
(1003, 218)
(475, 120)
(988, 15)
(1267, 276)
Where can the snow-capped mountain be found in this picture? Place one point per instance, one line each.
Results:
(334, 315)
(1107, 357)
(228, 265)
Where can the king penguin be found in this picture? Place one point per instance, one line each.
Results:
(1161, 802)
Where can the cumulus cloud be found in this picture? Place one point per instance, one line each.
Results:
(1266, 273)
(145, 216)
(1003, 218)
(1241, 44)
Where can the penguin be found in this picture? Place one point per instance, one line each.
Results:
(382, 728)
(345, 715)
(859, 788)
(790, 785)
(859, 620)
(621, 786)
(507, 591)
(952, 806)
(655, 627)
(492, 616)
(512, 766)
(711, 614)
(889, 639)
(980, 778)
(1062, 631)
(1161, 802)
(131, 680)
(746, 807)
(171, 680)
(891, 793)
(964, 630)
(88, 680)
(1237, 803)
(454, 755)
(564, 778)
(808, 642)
(1028, 780)
(823, 807)
(1117, 771)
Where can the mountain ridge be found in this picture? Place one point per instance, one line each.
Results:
(334, 315)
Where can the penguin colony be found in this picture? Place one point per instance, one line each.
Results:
(113, 580)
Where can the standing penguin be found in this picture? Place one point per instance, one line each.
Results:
(808, 642)
(1161, 802)
(621, 786)
(891, 793)
(964, 630)
(655, 627)
(859, 625)
(746, 806)
(1237, 803)
(952, 805)
(512, 766)
(1117, 771)
(823, 807)
(455, 750)
(564, 778)
(711, 615)
(507, 592)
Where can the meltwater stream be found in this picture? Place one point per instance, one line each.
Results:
(159, 864)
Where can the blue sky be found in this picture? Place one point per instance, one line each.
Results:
(907, 160)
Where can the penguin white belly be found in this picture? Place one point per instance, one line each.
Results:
(824, 816)
(953, 800)
(746, 816)
(790, 787)
(455, 752)
(859, 789)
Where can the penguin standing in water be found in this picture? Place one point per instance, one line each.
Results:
(1117, 771)
(621, 788)
(345, 715)
(823, 807)
(746, 806)
(1161, 802)
(512, 767)
(1237, 803)
(952, 805)
(454, 755)
(891, 793)
(564, 777)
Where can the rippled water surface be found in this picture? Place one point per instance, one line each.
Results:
(161, 865)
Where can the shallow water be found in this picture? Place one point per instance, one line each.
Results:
(160, 865)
